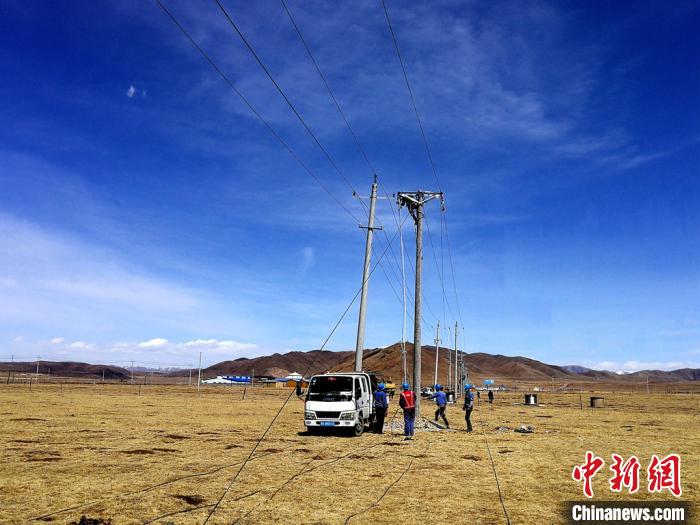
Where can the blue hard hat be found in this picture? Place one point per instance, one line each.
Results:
(405, 386)
(438, 387)
(467, 387)
(380, 386)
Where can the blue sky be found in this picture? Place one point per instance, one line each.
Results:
(146, 214)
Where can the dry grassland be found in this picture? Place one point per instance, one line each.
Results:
(107, 452)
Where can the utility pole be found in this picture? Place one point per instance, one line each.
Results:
(199, 376)
(415, 201)
(37, 367)
(359, 346)
(404, 367)
(449, 363)
(647, 384)
(457, 390)
(437, 351)
(132, 372)
(190, 382)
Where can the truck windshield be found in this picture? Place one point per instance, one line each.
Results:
(330, 388)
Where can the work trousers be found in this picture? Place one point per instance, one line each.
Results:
(380, 414)
(467, 417)
(409, 419)
(440, 412)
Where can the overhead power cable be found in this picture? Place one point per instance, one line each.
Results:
(257, 114)
(423, 134)
(330, 91)
(267, 430)
(343, 116)
(283, 94)
(252, 108)
(410, 92)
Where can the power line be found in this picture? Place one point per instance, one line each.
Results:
(342, 114)
(410, 92)
(250, 106)
(423, 136)
(437, 266)
(283, 94)
(330, 92)
(276, 135)
(267, 430)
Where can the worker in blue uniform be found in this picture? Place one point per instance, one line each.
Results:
(381, 405)
(441, 402)
(468, 406)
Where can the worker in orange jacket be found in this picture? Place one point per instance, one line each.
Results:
(407, 402)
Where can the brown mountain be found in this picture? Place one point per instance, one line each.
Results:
(503, 369)
(67, 369)
(387, 361)
(276, 365)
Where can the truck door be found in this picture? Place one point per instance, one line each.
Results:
(367, 394)
(360, 399)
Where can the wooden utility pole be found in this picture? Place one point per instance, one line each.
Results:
(360, 342)
(415, 201)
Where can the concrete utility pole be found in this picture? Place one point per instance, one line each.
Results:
(199, 374)
(132, 372)
(37, 368)
(437, 351)
(457, 390)
(449, 362)
(415, 201)
(359, 345)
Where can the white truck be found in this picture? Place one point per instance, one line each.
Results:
(339, 401)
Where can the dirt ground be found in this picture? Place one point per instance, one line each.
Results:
(163, 454)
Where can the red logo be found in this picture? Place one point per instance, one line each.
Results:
(626, 474)
(662, 474)
(665, 474)
(586, 472)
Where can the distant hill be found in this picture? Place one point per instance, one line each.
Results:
(276, 365)
(385, 361)
(67, 369)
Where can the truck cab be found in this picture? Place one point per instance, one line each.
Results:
(339, 401)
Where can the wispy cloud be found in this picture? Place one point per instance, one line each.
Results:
(80, 345)
(636, 366)
(157, 342)
(131, 92)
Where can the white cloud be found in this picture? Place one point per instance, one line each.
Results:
(153, 343)
(216, 345)
(57, 340)
(636, 366)
(18, 339)
(80, 345)
(131, 92)
(308, 258)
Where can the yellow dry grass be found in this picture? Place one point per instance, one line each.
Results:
(108, 452)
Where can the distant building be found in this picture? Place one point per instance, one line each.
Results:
(227, 380)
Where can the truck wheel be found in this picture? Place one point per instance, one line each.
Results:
(359, 428)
